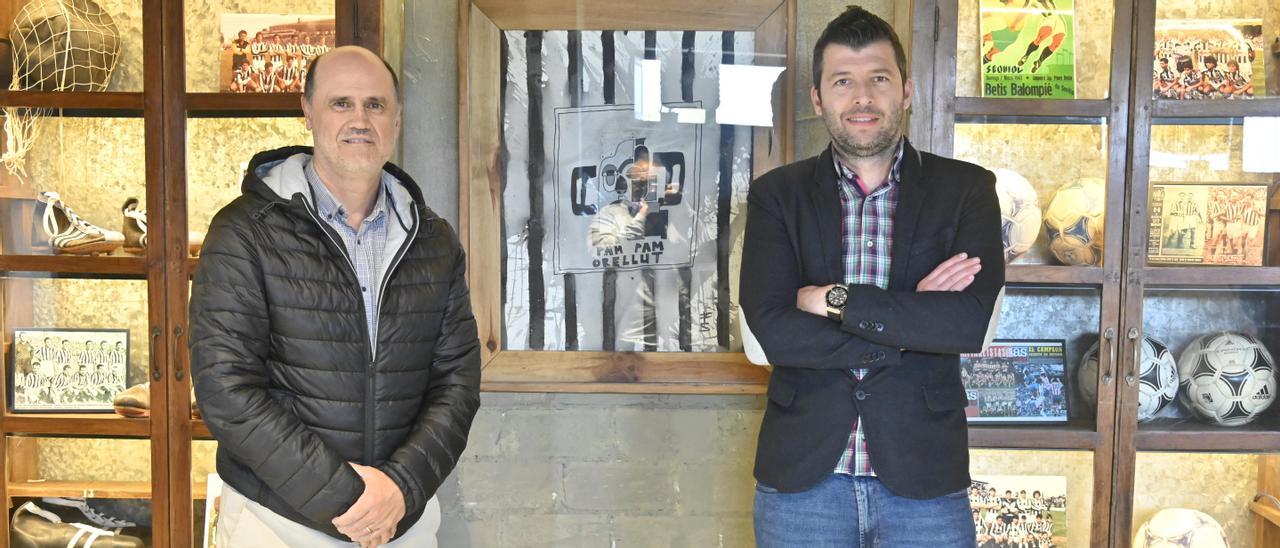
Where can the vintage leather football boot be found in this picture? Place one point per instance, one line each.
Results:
(135, 231)
(70, 234)
(34, 527)
(134, 402)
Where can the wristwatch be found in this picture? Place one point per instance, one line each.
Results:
(837, 296)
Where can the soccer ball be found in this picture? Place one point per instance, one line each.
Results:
(1157, 379)
(1180, 527)
(1019, 213)
(1074, 220)
(1227, 378)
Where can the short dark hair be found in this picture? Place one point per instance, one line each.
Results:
(308, 86)
(857, 28)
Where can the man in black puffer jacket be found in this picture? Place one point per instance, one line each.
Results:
(333, 349)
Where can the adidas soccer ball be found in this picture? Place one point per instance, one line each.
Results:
(1157, 379)
(1019, 213)
(1180, 527)
(1227, 378)
(1074, 221)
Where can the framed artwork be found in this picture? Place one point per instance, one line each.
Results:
(605, 179)
(1019, 510)
(67, 370)
(1016, 381)
(1207, 224)
(266, 53)
(1028, 49)
(1208, 59)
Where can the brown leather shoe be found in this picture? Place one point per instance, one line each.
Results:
(34, 527)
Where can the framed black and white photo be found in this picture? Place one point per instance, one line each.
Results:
(67, 370)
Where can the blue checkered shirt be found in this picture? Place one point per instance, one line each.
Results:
(867, 233)
(364, 246)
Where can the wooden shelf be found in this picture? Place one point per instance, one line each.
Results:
(982, 106)
(199, 430)
(78, 424)
(1054, 274)
(102, 104)
(74, 264)
(1211, 275)
(93, 489)
(217, 105)
(1261, 106)
(1262, 435)
(1072, 435)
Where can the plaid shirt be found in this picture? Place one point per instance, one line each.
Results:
(365, 247)
(867, 233)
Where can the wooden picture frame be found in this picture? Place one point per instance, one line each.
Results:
(480, 44)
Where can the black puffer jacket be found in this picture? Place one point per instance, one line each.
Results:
(280, 357)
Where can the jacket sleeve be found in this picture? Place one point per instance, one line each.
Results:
(770, 278)
(230, 330)
(439, 434)
(944, 322)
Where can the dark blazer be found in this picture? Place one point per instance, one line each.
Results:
(912, 401)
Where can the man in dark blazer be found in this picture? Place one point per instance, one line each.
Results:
(866, 271)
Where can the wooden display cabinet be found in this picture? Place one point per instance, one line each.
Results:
(164, 107)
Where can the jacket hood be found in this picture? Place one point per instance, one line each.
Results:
(279, 176)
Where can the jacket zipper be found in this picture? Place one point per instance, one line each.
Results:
(370, 371)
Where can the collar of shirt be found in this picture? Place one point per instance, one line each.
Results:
(329, 207)
(850, 179)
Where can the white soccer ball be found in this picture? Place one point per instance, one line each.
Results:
(1227, 378)
(1157, 378)
(1181, 528)
(1074, 220)
(1019, 213)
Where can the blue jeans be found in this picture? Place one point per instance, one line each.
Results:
(860, 512)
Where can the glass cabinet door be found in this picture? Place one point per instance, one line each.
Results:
(1029, 96)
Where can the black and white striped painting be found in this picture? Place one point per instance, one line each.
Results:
(617, 218)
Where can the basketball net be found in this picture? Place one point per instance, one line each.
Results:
(58, 45)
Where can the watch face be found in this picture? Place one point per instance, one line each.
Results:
(836, 296)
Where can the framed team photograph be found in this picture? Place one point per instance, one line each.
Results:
(263, 53)
(67, 370)
(1207, 224)
(1020, 381)
(1208, 59)
(1019, 511)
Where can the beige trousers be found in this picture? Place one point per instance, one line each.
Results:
(244, 523)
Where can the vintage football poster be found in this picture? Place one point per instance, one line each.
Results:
(1208, 59)
(1207, 224)
(1016, 381)
(1028, 49)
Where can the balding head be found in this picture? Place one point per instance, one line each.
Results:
(308, 88)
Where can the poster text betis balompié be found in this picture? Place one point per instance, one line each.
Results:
(1028, 49)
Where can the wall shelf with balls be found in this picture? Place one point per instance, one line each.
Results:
(1041, 274)
(1262, 435)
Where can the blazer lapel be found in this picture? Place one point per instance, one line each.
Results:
(910, 201)
(826, 201)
